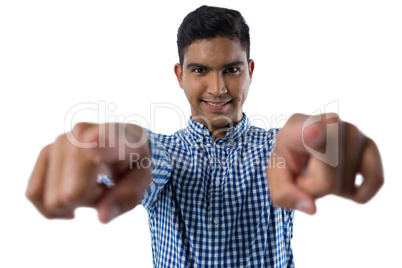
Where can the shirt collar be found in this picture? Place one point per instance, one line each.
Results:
(201, 133)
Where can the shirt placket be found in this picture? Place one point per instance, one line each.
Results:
(217, 184)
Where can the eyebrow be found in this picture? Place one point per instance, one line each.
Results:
(235, 63)
(198, 65)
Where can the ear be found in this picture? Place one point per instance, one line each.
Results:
(251, 68)
(179, 74)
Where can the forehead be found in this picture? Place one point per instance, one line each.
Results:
(215, 50)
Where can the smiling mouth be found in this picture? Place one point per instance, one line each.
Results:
(217, 106)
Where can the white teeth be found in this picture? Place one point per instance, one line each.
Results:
(216, 104)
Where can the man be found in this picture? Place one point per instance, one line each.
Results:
(214, 195)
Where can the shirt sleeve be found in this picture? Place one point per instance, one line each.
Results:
(288, 222)
(161, 169)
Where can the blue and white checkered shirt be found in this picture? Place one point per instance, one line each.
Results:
(209, 204)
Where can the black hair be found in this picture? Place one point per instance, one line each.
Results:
(209, 22)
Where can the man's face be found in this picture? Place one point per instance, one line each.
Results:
(215, 77)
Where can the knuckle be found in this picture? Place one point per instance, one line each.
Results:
(88, 135)
(354, 136)
(332, 116)
(296, 116)
(45, 150)
(353, 130)
(58, 143)
(79, 129)
(79, 134)
(51, 204)
(75, 152)
(371, 143)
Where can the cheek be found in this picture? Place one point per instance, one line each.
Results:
(245, 87)
(240, 89)
(192, 89)
(187, 88)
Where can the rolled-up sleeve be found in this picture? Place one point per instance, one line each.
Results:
(161, 169)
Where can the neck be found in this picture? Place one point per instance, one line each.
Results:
(217, 132)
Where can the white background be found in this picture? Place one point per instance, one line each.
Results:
(57, 54)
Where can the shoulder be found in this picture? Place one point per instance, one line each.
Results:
(171, 143)
(259, 135)
(164, 138)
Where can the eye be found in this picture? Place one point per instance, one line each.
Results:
(199, 70)
(232, 70)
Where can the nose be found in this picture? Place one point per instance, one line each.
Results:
(216, 84)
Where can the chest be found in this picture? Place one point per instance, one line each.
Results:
(211, 175)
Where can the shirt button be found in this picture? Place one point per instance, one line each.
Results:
(216, 221)
(217, 182)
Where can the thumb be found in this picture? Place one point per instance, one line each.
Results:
(113, 145)
(126, 194)
(285, 193)
(115, 141)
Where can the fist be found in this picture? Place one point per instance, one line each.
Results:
(64, 177)
(322, 156)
